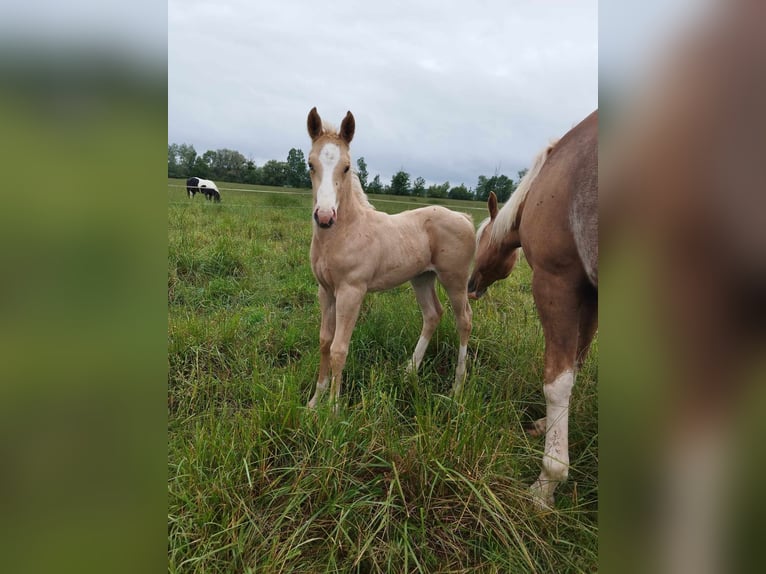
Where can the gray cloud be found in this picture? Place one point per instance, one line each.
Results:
(445, 90)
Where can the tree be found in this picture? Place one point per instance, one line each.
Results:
(439, 191)
(504, 187)
(274, 173)
(460, 192)
(201, 168)
(225, 164)
(297, 174)
(362, 171)
(375, 186)
(419, 187)
(210, 159)
(187, 155)
(483, 187)
(232, 165)
(173, 170)
(252, 173)
(522, 173)
(400, 183)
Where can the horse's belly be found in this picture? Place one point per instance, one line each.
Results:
(397, 271)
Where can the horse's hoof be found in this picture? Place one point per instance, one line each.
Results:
(541, 500)
(537, 428)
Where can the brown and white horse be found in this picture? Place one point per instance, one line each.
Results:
(356, 249)
(553, 216)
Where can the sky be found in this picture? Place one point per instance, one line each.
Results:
(445, 90)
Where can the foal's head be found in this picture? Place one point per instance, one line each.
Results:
(494, 260)
(329, 165)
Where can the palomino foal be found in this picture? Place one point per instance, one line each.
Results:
(553, 216)
(356, 249)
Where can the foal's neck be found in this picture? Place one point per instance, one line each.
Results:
(353, 204)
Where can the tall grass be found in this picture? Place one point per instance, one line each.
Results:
(404, 479)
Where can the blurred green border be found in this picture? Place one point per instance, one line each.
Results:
(83, 309)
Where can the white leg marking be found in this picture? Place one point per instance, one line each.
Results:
(320, 390)
(417, 356)
(556, 458)
(460, 372)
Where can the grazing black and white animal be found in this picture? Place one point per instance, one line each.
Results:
(209, 188)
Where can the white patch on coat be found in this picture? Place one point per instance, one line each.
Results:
(208, 184)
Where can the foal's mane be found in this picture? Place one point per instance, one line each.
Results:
(356, 187)
(329, 129)
(507, 217)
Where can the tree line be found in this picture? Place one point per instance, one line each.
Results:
(231, 166)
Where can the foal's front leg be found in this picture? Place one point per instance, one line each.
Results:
(326, 334)
(348, 302)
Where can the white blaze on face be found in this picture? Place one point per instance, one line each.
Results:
(327, 199)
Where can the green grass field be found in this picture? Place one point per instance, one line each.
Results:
(404, 479)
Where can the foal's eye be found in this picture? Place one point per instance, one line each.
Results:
(311, 166)
(346, 170)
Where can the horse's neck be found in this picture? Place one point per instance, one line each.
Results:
(512, 239)
(354, 204)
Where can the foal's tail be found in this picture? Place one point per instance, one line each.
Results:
(507, 218)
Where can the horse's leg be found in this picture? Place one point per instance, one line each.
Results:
(326, 334)
(586, 330)
(538, 427)
(456, 286)
(425, 293)
(588, 324)
(558, 305)
(347, 304)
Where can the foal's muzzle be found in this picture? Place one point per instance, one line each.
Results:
(473, 292)
(325, 218)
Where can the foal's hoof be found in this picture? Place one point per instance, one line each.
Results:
(537, 428)
(542, 498)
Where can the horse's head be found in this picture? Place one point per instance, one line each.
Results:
(494, 260)
(329, 165)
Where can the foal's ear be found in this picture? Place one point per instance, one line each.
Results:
(492, 205)
(314, 124)
(347, 127)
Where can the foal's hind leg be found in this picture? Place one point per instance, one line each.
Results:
(456, 286)
(558, 304)
(425, 292)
